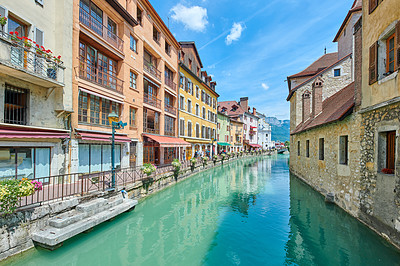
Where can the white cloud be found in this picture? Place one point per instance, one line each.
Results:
(194, 18)
(236, 32)
(265, 86)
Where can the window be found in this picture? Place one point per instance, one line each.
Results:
(189, 106)
(307, 148)
(198, 71)
(169, 128)
(132, 118)
(132, 80)
(24, 162)
(182, 103)
(112, 28)
(204, 113)
(190, 64)
(15, 105)
(343, 149)
(336, 72)
(39, 37)
(203, 132)
(390, 54)
(91, 16)
(189, 132)
(95, 110)
(197, 131)
(151, 121)
(133, 44)
(373, 63)
(298, 148)
(156, 35)
(386, 152)
(202, 96)
(97, 157)
(321, 149)
(197, 92)
(181, 81)
(167, 48)
(139, 15)
(182, 127)
(197, 110)
(373, 4)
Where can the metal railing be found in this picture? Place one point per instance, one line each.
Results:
(170, 109)
(170, 83)
(152, 100)
(151, 69)
(169, 133)
(86, 19)
(24, 56)
(98, 76)
(62, 187)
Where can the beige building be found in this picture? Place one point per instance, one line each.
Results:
(35, 88)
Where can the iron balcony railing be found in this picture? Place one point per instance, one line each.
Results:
(170, 133)
(170, 83)
(24, 56)
(170, 109)
(100, 76)
(151, 69)
(151, 100)
(86, 19)
(151, 130)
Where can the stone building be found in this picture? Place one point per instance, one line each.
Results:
(125, 61)
(380, 109)
(264, 132)
(35, 88)
(197, 103)
(325, 129)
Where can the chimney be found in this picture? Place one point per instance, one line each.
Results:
(244, 103)
(317, 97)
(254, 111)
(306, 106)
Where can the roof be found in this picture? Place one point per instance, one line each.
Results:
(320, 64)
(122, 11)
(336, 107)
(357, 6)
(316, 75)
(228, 105)
(195, 50)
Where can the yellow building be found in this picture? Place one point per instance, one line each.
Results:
(236, 140)
(197, 103)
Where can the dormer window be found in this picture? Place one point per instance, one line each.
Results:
(336, 72)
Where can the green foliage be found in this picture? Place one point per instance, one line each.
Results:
(12, 189)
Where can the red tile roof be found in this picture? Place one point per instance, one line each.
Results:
(334, 108)
(229, 110)
(320, 64)
(357, 6)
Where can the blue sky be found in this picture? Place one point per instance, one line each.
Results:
(250, 47)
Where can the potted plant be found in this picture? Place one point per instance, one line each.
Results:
(193, 163)
(205, 159)
(148, 169)
(52, 70)
(3, 22)
(177, 166)
(215, 158)
(223, 158)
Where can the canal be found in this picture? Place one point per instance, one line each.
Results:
(249, 212)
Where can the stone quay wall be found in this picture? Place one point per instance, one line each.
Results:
(16, 229)
(380, 193)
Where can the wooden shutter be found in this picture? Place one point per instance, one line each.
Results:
(373, 63)
(390, 149)
(39, 37)
(397, 45)
(372, 5)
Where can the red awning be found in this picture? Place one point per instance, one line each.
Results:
(255, 145)
(103, 137)
(168, 142)
(252, 127)
(25, 134)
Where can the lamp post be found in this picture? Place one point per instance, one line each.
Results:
(113, 119)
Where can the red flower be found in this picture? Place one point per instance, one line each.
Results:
(11, 32)
(16, 33)
(59, 57)
(37, 45)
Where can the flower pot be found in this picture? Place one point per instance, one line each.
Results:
(192, 167)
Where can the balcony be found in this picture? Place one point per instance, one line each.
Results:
(151, 130)
(86, 19)
(170, 109)
(170, 83)
(151, 70)
(170, 133)
(151, 100)
(21, 60)
(98, 76)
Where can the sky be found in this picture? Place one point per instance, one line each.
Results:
(250, 47)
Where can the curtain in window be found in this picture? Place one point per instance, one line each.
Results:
(84, 158)
(42, 162)
(106, 163)
(95, 158)
(117, 156)
(7, 162)
(25, 159)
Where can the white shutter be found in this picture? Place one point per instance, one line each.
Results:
(39, 36)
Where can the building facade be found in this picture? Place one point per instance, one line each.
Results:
(197, 104)
(264, 132)
(224, 130)
(35, 88)
(380, 106)
(236, 135)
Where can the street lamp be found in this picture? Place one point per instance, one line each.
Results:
(113, 120)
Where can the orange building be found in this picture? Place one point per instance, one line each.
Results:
(124, 60)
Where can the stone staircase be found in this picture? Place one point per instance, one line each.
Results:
(83, 218)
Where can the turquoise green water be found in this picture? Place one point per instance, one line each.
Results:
(250, 212)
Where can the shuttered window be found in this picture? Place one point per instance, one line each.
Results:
(343, 149)
(373, 63)
(390, 149)
(298, 148)
(372, 5)
(321, 149)
(307, 148)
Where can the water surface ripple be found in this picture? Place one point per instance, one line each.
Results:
(249, 212)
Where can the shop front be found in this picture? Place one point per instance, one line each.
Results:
(161, 150)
